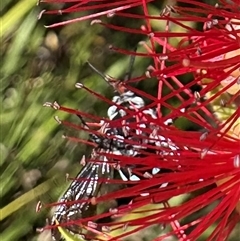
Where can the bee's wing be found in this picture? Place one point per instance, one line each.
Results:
(86, 185)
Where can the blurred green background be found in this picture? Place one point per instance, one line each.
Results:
(39, 65)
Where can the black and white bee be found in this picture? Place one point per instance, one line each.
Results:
(127, 110)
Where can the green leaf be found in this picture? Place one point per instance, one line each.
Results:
(23, 33)
(14, 16)
(68, 236)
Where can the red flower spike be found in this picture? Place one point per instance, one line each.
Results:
(202, 167)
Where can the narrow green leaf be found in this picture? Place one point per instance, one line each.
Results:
(13, 57)
(66, 235)
(25, 199)
(15, 15)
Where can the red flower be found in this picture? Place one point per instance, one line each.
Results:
(201, 188)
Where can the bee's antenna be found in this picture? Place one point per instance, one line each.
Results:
(83, 121)
(116, 84)
(130, 70)
(107, 78)
(110, 80)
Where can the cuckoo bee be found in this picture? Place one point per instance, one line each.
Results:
(120, 139)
